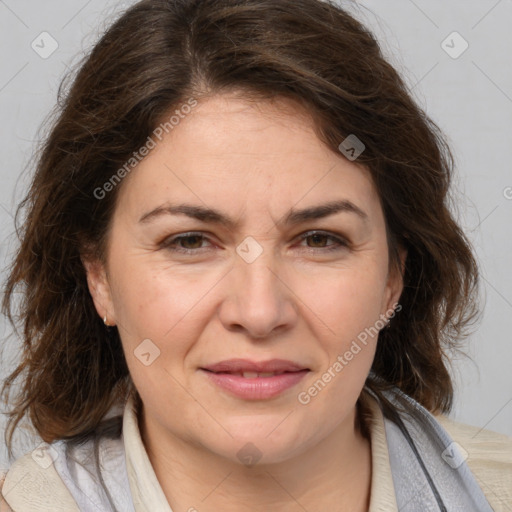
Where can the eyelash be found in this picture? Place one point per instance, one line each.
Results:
(171, 244)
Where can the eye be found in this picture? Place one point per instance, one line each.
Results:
(319, 238)
(187, 243)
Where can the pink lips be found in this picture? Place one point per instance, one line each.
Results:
(229, 375)
(246, 365)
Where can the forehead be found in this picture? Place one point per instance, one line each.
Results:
(237, 154)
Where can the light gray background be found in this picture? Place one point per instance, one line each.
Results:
(470, 97)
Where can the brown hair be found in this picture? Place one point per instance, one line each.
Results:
(155, 57)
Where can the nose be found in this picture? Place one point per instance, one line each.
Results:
(258, 300)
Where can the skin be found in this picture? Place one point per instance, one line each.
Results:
(253, 161)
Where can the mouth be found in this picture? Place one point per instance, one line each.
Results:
(252, 369)
(255, 375)
(255, 385)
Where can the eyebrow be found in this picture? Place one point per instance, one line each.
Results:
(293, 217)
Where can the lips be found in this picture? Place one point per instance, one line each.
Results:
(255, 380)
(254, 369)
(252, 380)
(253, 375)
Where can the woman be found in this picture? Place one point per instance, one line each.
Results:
(293, 357)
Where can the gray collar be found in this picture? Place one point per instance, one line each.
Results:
(429, 469)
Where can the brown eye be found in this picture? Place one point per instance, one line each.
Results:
(187, 243)
(319, 240)
(192, 240)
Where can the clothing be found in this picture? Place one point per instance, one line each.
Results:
(482, 483)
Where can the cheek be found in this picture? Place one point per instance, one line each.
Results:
(159, 319)
(346, 300)
(349, 309)
(151, 300)
(167, 306)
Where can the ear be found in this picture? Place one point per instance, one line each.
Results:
(99, 288)
(395, 283)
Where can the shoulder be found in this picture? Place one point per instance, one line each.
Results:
(32, 483)
(489, 456)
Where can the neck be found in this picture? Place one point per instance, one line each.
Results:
(334, 474)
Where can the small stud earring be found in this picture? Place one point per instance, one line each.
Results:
(105, 320)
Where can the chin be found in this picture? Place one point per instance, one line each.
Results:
(251, 447)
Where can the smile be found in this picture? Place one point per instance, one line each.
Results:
(255, 385)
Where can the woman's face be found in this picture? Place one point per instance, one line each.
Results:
(256, 270)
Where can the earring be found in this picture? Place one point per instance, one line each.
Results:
(105, 320)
